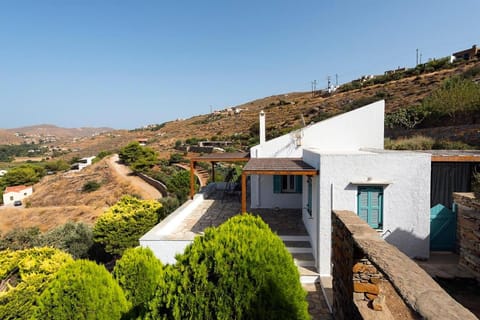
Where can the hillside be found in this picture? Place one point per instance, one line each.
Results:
(59, 198)
(284, 112)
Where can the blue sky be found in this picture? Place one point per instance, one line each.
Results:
(128, 63)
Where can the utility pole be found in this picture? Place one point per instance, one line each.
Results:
(314, 87)
(420, 58)
(336, 79)
(417, 58)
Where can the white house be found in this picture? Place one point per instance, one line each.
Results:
(338, 163)
(83, 163)
(388, 189)
(16, 193)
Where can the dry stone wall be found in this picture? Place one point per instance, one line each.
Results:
(374, 280)
(468, 231)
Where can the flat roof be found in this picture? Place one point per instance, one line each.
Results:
(225, 157)
(289, 166)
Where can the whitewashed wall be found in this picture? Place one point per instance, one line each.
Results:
(360, 128)
(264, 197)
(406, 207)
(16, 196)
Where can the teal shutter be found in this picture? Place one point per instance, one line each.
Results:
(363, 204)
(277, 184)
(298, 184)
(370, 205)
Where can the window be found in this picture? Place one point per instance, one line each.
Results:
(11, 198)
(287, 184)
(370, 205)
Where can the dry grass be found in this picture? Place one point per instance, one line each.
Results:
(59, 198)
(46, 218)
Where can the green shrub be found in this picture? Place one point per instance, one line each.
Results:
(240, 270)
(82, 290)
(413, 143)
(124, 223)
(21, 238)
(455, 96)
(169, 204)
(75, 238)
(139, 158)
(58, 165)
(407, 118)
(450, 145)
(139, 273)
(25, 274)
(101, 155)
(91, 186)
(179, 185)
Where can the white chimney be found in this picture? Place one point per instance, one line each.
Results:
(262, 127)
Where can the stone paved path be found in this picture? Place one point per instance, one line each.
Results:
(317, 307)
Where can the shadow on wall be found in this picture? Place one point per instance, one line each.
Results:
(408, 243)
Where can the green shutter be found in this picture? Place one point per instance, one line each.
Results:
(277, 184)
(298, 184)
(370, 205)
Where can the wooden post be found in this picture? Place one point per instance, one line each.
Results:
(192, 179)
(244, 193)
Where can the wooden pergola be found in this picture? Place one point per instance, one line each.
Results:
(274, 166)
(213, 158)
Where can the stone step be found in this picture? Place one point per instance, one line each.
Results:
(295, 238)
(297, 244)
(308, 274)
(300, 250)
(303, 259)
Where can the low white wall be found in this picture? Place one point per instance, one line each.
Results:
(162, 239)
(166, 250)
(406, 199)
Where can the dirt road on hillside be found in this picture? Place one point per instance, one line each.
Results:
(124, 172)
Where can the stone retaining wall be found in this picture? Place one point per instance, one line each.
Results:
(154, 183)
(374, 280)
(468, 231)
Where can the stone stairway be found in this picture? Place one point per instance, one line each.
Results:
(302, 252)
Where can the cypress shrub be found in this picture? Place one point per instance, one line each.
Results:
(24, 274)
(240, 270)
(139, 273)
(82, 290)
(121, 226)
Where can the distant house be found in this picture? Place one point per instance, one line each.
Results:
(142, 141)
(16, 193)
(82, 163)
(3, 172)
(468, 53)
